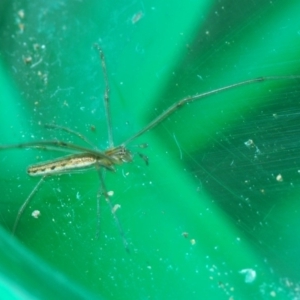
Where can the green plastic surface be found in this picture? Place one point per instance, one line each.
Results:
(215, 215)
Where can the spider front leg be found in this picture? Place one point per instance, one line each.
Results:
(103, 192)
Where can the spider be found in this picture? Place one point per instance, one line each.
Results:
(85, 158)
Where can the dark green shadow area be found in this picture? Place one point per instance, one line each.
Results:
(215, 215)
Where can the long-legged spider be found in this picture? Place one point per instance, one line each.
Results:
(85, 158)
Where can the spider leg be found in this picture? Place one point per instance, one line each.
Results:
(24, 205)
(99, 194)
(177, 105)
(70, 131)
(106, 97)
(106, 196)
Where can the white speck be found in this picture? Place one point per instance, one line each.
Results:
(115, 208)
(36, 214)
(21, 13)
(273, 294)
(250, 275)
(136, 17)
(110, 193)
(249, 143)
